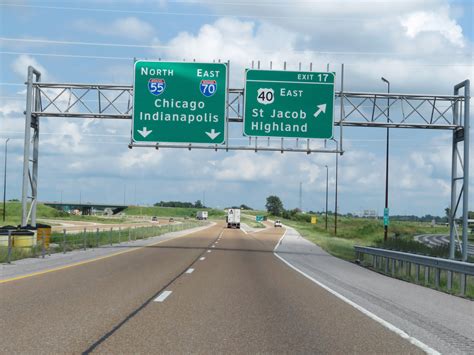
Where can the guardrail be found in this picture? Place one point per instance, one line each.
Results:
(387, 260)
(14, 247)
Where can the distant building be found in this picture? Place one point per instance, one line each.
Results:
(368, 214)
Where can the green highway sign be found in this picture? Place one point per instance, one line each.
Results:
(386, 213)
(288, 104)
(259, 218)
(179, 102)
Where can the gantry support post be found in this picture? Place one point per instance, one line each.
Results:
(30, 178)
(460, 135)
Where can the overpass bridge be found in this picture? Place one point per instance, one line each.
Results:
(86, 208)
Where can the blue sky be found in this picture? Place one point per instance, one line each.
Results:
(421, 46)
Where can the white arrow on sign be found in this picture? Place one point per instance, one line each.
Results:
(321, 108)
(144, 132)
(213, 134)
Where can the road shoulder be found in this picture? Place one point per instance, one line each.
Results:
(35, 266)
(441, 321)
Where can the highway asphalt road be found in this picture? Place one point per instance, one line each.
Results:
(216, 290)
(434, 240)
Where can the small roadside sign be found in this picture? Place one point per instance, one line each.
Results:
(314, 220)
(386, 216)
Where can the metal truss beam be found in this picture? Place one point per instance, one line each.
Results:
(361, 109)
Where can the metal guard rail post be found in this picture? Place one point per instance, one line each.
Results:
(464, 269)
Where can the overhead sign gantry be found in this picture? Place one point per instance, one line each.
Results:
(356, 109)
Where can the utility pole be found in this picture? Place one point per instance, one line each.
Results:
(5, 181)
(335, 200)
(386, 213)
(327, 190)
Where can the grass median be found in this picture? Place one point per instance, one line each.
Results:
(61, 242)
(252, 223)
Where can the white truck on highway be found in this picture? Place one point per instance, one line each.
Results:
(201, 215)
(233, 218)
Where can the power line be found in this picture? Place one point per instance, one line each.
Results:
(102, 44)
(66, 55)
(78, 43)
(141, 12)
(56, 55)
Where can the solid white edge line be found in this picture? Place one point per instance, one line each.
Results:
(262, 230)
(162, 296)
(369, 314)
(189, 271)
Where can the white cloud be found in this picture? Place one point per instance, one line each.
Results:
(11, 107)
(420, 22)
(246, 166)
(244, 42)
(21, 63)
(385, 28)
(128, 27)
(138, 159)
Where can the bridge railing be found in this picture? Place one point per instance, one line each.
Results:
(426, 268)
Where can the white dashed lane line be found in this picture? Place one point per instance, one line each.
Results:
(162, 296)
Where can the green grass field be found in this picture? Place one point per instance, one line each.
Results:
(171, 211)
(360, 231)
(13, 214)
(251, 222)
(364, 232)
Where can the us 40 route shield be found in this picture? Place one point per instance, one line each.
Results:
(179, 102)
(289, 104)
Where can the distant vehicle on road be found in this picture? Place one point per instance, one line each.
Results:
(277, 223)
(154, 219)
(201, 215)
(233, 218)
(171, 219)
